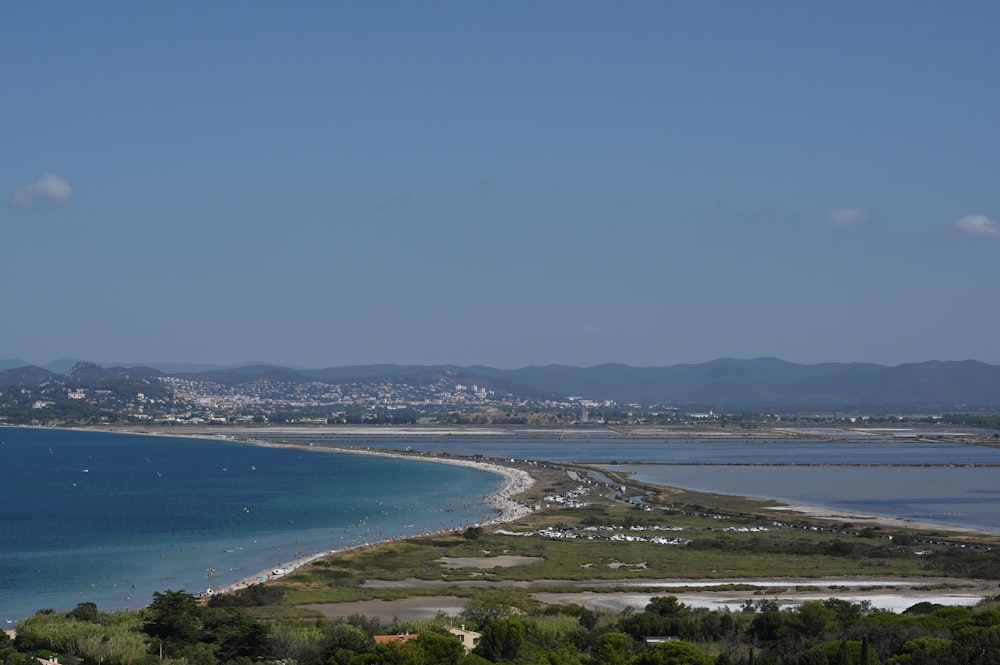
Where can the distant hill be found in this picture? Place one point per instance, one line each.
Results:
(83, 372)
(234, 376)
(56, 366)
(29, 375)
(11, 363)
(62, 365)
(760, 383)
(732, 384)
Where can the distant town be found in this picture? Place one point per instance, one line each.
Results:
(176, 400)
(88, 394)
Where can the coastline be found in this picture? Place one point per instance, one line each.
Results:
(701, 432)
(501, 499)
(783, 509)
(516, 481)
(244, 434)
(511, 511)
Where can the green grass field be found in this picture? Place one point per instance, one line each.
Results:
(715, 551)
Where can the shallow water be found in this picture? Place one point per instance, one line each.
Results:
(955, 496)
(111, 518)
(952, 495)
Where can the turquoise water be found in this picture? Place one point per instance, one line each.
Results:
(959, 495)
(111, 518)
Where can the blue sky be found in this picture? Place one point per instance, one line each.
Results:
(506, 184)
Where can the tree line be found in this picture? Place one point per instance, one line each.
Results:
(179, 629)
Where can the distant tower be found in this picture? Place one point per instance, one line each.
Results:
(583, 415)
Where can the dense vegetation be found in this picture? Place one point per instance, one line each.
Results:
(177, 629)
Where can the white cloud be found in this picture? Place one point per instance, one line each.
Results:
(978, 225)
(49, 189)
(847, 216)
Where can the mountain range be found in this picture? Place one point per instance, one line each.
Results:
(727, 383)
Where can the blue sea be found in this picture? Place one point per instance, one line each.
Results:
(949, 490)
(611, 449)
(111, 518)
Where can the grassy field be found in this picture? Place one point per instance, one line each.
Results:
(728, 537)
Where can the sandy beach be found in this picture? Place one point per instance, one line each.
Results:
(890, 593)
(516, 481)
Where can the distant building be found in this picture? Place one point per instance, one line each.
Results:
(401, 637)
(468, 638)
(650, 640)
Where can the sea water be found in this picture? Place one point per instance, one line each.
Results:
(614, 449)
(87, 515)
(958, 486)
(110, 518)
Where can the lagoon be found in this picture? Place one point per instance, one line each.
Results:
(950, 496)
(950, 490)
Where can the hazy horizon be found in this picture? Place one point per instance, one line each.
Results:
(252, 363)
(652, 184)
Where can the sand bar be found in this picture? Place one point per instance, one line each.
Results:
(517, 480)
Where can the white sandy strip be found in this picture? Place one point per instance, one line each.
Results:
(862, 519)
(515, 482)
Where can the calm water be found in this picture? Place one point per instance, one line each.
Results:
(964, 496)
(87, 515)
(959, 496)
(111, 518)
(611, 450)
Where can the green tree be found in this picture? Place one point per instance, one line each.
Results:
(396, 653)
(561, 656)
(923, 651)
(175, 618)
(865, 658)
(490, 605)
(766, 626)
(345, 644)
(845, 652)
(235, 633)
(613, 649)
(810, 621)
(440, 649)
(976, 646)
(674, 653)
(812, 657)
(85, 612)
(298, 642)
(502, 639)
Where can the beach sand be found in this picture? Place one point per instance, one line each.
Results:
(516, 481)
